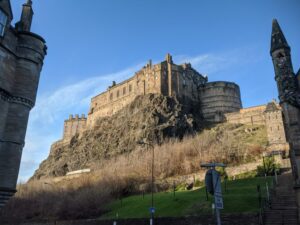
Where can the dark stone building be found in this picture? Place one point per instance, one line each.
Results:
(288, 84)
(21, 59)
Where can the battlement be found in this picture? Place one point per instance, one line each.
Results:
(74, 125)
(76, 117)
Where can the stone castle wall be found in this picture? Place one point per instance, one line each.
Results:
(252, 116)
(218, 98)
(74, 125)
(269, 115)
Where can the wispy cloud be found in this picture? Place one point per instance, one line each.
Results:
(213, 63)
(78, 95)
(46, 119)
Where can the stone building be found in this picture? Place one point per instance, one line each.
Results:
(288, 84)
(74, 125)
(269, 115)
(21, 59)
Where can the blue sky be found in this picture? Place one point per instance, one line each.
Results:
(93, 42)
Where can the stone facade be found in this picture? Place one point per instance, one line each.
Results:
(289, 95)
(73, 126)
(21, 60)
(269, 115)
(217, 98)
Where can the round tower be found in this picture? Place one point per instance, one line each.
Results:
(218, 98)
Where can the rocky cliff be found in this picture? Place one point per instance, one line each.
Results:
(154, 117)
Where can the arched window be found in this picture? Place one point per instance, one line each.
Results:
(118, 93)
(3, 21)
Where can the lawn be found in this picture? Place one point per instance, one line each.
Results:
(241, 197)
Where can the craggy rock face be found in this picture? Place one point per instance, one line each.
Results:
(154, 117)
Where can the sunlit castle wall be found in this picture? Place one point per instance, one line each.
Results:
(218, 98)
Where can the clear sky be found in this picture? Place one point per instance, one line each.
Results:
(92, 42)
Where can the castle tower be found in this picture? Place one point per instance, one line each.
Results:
(21, 60)
(289, 93)
(274, 125)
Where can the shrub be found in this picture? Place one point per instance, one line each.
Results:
(268, 167)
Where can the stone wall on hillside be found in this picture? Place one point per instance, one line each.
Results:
(269, 115)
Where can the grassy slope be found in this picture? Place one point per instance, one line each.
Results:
(241, 197)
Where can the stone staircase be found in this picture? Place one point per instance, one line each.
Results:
(283, 207)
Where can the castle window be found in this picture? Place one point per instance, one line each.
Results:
(118, 94)
(130, 87)
(3, 20)
(124, 90)
(111, 96)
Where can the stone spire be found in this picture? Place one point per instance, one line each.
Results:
(26, 18)
(277, 40)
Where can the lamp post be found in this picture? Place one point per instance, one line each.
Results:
(152, 210)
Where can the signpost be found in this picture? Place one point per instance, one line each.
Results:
(213, 185)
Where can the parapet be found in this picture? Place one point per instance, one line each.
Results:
(76, 117)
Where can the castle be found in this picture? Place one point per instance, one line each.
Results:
(214, 99)
(21, 59)
(217, 101)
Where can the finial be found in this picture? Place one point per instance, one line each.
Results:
(169, 58)
(29, 2)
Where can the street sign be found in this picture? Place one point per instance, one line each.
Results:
(152, 210)
(217, 190)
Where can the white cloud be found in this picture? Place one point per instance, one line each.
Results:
(213, 63)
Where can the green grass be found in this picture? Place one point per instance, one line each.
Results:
(241, 196)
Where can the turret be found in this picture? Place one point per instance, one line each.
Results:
(26, 18)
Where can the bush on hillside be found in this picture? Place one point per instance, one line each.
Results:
(268, 167)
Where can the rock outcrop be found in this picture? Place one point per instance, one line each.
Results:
(154, 117)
